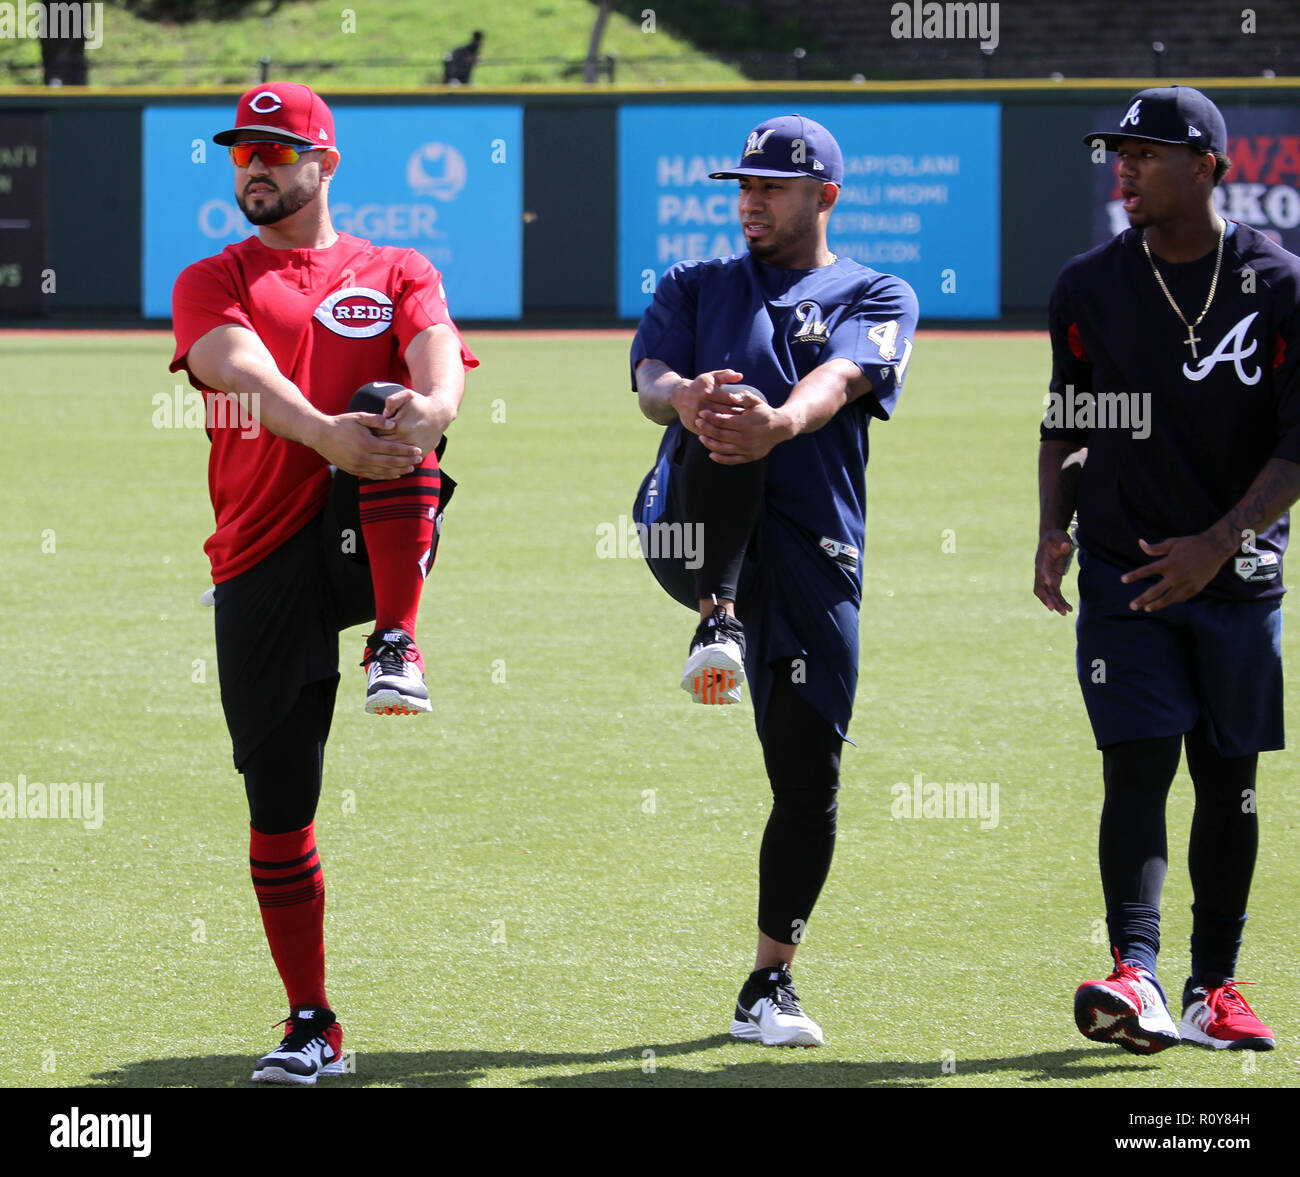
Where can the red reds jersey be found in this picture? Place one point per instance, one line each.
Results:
(333, 319)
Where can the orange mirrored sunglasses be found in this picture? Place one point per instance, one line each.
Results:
(271, 153)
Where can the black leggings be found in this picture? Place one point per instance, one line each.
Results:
(1220, 854)
(802, 754)
(724, 502)
(1225, 828)
(282, 776)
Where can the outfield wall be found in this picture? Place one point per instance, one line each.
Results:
(565, 205)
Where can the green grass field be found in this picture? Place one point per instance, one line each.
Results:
(371, 43)
(503, 910)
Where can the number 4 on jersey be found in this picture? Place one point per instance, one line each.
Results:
(885, 337)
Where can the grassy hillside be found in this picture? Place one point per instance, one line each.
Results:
(377, 43)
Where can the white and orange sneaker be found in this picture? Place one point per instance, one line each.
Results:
(395, 675)
(715, 668)
(1221, 1019)
(1127, 1008)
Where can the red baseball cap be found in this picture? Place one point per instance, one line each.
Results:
(286, 110)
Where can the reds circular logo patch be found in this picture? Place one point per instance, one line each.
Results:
(357, 312)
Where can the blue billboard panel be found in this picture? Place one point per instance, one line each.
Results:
(920, 197)
(445, 181)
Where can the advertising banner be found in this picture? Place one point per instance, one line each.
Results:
(24, 178)
(447, 181)
(920, 195)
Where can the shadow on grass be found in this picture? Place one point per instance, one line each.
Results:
(736, 1064)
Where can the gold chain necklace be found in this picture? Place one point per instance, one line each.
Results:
(1192, 338)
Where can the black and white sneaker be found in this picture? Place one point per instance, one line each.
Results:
(312, 1047)
(716, 666)
(768, 1011)
(395, 675)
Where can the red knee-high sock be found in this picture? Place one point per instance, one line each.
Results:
(397, 518)
(291, 893)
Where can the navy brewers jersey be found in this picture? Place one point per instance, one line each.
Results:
(775, 326)
(1175, 440)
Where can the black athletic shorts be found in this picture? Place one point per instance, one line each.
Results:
(278, 623)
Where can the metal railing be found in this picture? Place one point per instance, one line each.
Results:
(956, 60)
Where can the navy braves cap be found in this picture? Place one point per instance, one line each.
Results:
(1169, 114)
(286, 110)
(789, 146)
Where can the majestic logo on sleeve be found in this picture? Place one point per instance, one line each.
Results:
(1221, 354)
(843, 554)
(813, 330)
(1257, 566)
(358, 312)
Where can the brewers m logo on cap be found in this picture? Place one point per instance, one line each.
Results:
(357, 312)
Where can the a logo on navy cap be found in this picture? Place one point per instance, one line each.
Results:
(1131, 115)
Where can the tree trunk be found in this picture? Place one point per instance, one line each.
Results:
(64, 60)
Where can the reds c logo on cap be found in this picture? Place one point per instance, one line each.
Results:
(282, 109)
(265, 102)
(358, 312)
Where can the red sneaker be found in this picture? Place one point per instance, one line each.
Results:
(312, 1046)
(1220, 1019)
(1127, 1008)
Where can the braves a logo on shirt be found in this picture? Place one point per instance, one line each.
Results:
(812, 330)
(1236, 335)
(356, 312)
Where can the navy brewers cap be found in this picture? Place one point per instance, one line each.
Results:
(789, 146)
(1169, 114)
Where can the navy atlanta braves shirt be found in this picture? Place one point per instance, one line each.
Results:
(775, 326)
(1174, 441)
